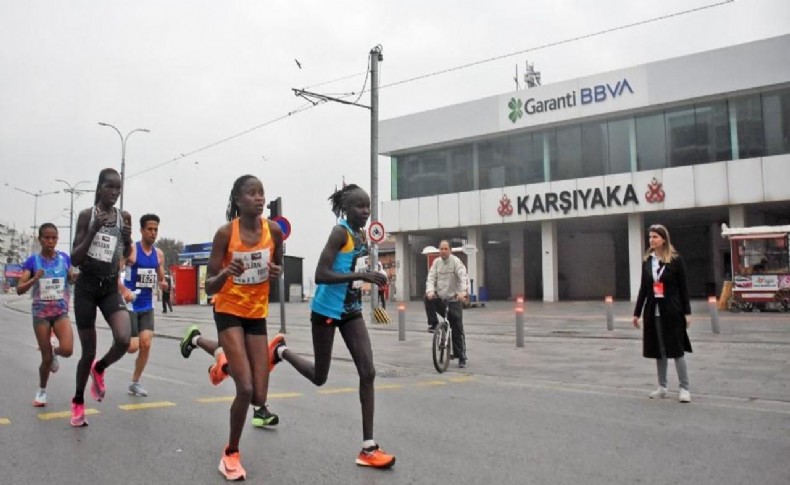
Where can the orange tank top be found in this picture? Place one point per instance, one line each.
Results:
(247, 296)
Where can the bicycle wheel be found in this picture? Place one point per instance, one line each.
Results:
(441, 351)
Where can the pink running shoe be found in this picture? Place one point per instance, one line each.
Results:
(78, 415)
(97, 385)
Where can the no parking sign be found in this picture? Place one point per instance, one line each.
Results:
(284, 225)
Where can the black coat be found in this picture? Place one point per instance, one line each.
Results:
(672, 310)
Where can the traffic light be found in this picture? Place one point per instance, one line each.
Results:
(274, 208)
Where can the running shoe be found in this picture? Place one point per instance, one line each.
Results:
(375, 457)
(97, 383)
(41, 398)
(659, 393)
(274, 357)
(230, 466)
(135, 389)
(261, 417)
(78, 415)
(186, 343)
(54, 366)
(217, 371)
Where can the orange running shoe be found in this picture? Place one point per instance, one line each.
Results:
(274, 358)
(375, 457)
(230, 466)
(216, 372)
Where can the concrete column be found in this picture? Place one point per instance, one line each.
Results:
(718, 246)
(737, 216)
(636, 250)
(517, 263)
(548, 236)
(403, 266)
(476, 261)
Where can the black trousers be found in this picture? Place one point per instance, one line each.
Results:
(456, 318)
(166, 302)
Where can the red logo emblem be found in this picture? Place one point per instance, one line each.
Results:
(654, 192)
(505, 207)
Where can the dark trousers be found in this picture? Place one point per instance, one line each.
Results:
(456, 318)
(166, 302)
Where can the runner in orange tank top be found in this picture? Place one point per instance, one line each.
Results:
(245, 255)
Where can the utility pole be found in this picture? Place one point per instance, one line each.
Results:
(72, 190)
(376, 56)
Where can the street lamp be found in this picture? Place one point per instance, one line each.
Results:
(35, 195)
(71, 190)
(123, 152)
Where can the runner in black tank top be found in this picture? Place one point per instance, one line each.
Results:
(100, 242)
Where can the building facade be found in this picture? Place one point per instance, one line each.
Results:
(551, 189)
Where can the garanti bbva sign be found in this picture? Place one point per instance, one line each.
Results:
(579, 98)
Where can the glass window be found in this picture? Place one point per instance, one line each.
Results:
(651, 148)
(493, 160)
(713, 133)
(776, 115)
(460, 169)
(619, 146)
(546, 145)
(527, 153)
(568, 163)
(748, 114)
(595, 148)
(681, 137)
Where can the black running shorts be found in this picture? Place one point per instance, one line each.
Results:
(251, 326)
(89, 295)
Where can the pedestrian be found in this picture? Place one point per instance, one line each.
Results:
(166, 289)
(246, 255)
(445, 291)
(145, 271)
(261, 416)
(338, 305)
(50, 276)
(101, 240)
(663, 302)
(385, 289)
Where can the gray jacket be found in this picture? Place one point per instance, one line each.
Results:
(447, 278)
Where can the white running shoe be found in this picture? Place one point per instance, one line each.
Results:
(684, 395)
(659, 393)
(55, 365)
(41, 398)
(135, 389)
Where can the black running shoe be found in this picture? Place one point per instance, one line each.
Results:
(262, 418)
(186, 343)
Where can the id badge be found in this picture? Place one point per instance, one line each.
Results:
(658, 289)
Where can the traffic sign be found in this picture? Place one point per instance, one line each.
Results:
(284, 224)
(376, 232)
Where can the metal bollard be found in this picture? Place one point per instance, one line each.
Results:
(519, 322)
(609, 313)
(713, 307)
(401, 322)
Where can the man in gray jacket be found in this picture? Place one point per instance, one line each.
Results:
(447, 281)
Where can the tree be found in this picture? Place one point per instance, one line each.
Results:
(171, 248)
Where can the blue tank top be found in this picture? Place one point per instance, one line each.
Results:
(341, 300)
(142, 276)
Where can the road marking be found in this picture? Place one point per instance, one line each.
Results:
(389, 386)
(461, 379)
(338, 390)
(64, 414)
(275, 395)
(146, 405)
(430, 383)
(5, 421)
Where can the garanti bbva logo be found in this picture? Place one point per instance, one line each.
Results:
(598, 93)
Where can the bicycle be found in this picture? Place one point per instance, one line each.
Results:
(442, 348)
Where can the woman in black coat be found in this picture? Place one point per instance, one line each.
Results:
(663, 295)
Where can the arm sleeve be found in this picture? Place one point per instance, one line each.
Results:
(30, 265)
(430, 282)
(683, 287)
(640, 300)
(463, 278)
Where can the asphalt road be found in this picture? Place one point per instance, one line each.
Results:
(497, 427)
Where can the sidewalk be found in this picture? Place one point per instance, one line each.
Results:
(565, 343)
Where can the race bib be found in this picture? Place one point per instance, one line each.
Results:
(256, 267)
(103, 247)
(146, 278)
(360, 267)
(51, 289)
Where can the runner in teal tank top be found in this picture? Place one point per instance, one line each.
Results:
(337, 304)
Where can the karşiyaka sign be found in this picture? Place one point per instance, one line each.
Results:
(579, 199)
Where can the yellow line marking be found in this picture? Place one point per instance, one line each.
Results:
(64, 414)
(461, 379)
(146, 405)
(389, 386)
(5, 421)
(431, 383)
(274, 395)
(338, 390)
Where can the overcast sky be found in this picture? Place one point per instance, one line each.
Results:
(195, 72)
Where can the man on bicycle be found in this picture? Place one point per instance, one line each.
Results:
(447, 281)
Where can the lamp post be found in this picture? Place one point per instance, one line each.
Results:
(123, 152)
(71, 190)
(35, 196)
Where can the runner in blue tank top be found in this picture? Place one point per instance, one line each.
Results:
(50, 276)
(145, 271)
(337, 304)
